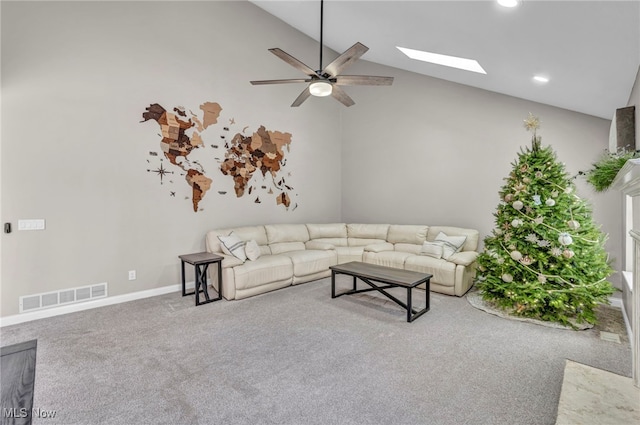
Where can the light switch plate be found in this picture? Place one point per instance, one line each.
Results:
(36, 224)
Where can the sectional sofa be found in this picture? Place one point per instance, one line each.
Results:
(258, 259)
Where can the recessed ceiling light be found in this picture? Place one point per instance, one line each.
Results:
(541, 79)
(452, 61)
(508, 3)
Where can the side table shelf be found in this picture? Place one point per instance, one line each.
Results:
(201, 263)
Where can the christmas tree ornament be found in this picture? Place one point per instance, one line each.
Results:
(550, 202)
(573, 224)
(516, 222)
(539, 174)
(518, 205)
(542, 279)
(526, 260)
(555, 194)
(556, 252)
(516, 255)
(524, 168)
(565, 239)
(507, 278)
(544, 243)
(536, 200)
(508, 197)
(526, 180)
(538, 220)
(568, 190)
(532, 237)
(567, 253)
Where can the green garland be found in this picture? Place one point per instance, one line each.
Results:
(604, 171)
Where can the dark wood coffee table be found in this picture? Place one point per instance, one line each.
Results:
(390, 278)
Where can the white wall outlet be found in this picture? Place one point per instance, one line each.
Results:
(132, 275)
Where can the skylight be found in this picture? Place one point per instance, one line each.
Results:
(451, 61)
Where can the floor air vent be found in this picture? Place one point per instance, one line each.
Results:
(62, 297)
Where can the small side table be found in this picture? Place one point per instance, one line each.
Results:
(201, 263)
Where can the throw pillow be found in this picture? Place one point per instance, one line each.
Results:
(233, 245)
(450, 244)
(252, 249)
(432, 249)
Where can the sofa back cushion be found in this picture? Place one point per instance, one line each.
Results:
(332, 233)
(366, 234)
(286, 237)
(470, 244)
(277, 233)
(407, 233)
(326, 231)
(247, 233)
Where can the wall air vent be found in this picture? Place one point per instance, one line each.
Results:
(62, 297)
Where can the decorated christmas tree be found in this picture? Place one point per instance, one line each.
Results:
(545, 258)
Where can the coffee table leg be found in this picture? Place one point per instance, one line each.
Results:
(409, 308)
(333, 284)
(184, 292)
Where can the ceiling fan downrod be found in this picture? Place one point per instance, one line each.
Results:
(319, 71)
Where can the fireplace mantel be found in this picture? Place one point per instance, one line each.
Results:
(627, 181)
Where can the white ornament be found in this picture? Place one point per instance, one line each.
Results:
(516, 222)
(518, 205)
(550, 202)
(554, 194)
(565, 239)
(507, 278)
(542, 278)
(516, 255)
(573, 225)
(508, 197)
(567, 253)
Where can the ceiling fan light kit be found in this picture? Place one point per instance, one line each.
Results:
(326, 81)
(320, 88)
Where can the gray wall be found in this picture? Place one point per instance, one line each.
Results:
(434, 152)
(77, 76)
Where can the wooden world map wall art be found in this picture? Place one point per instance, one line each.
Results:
(254, 161)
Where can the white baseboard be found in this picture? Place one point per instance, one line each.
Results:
(102, 302)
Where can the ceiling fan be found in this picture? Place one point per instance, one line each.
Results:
(327, 81)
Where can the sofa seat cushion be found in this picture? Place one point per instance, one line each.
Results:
(311, 261)
(349, 253)
(266, 269)
(387, 258)
(443, 271)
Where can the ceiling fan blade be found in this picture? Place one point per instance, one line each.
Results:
(363, 80)
(293, 61)
(302, 97)
(342, 96)
(291, 80)
(351, 55)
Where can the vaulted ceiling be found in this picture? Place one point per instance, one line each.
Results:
(589, 50)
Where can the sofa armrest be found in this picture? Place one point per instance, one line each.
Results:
(229, 260)
(464, 258)
(324, 246)
(379, 247)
